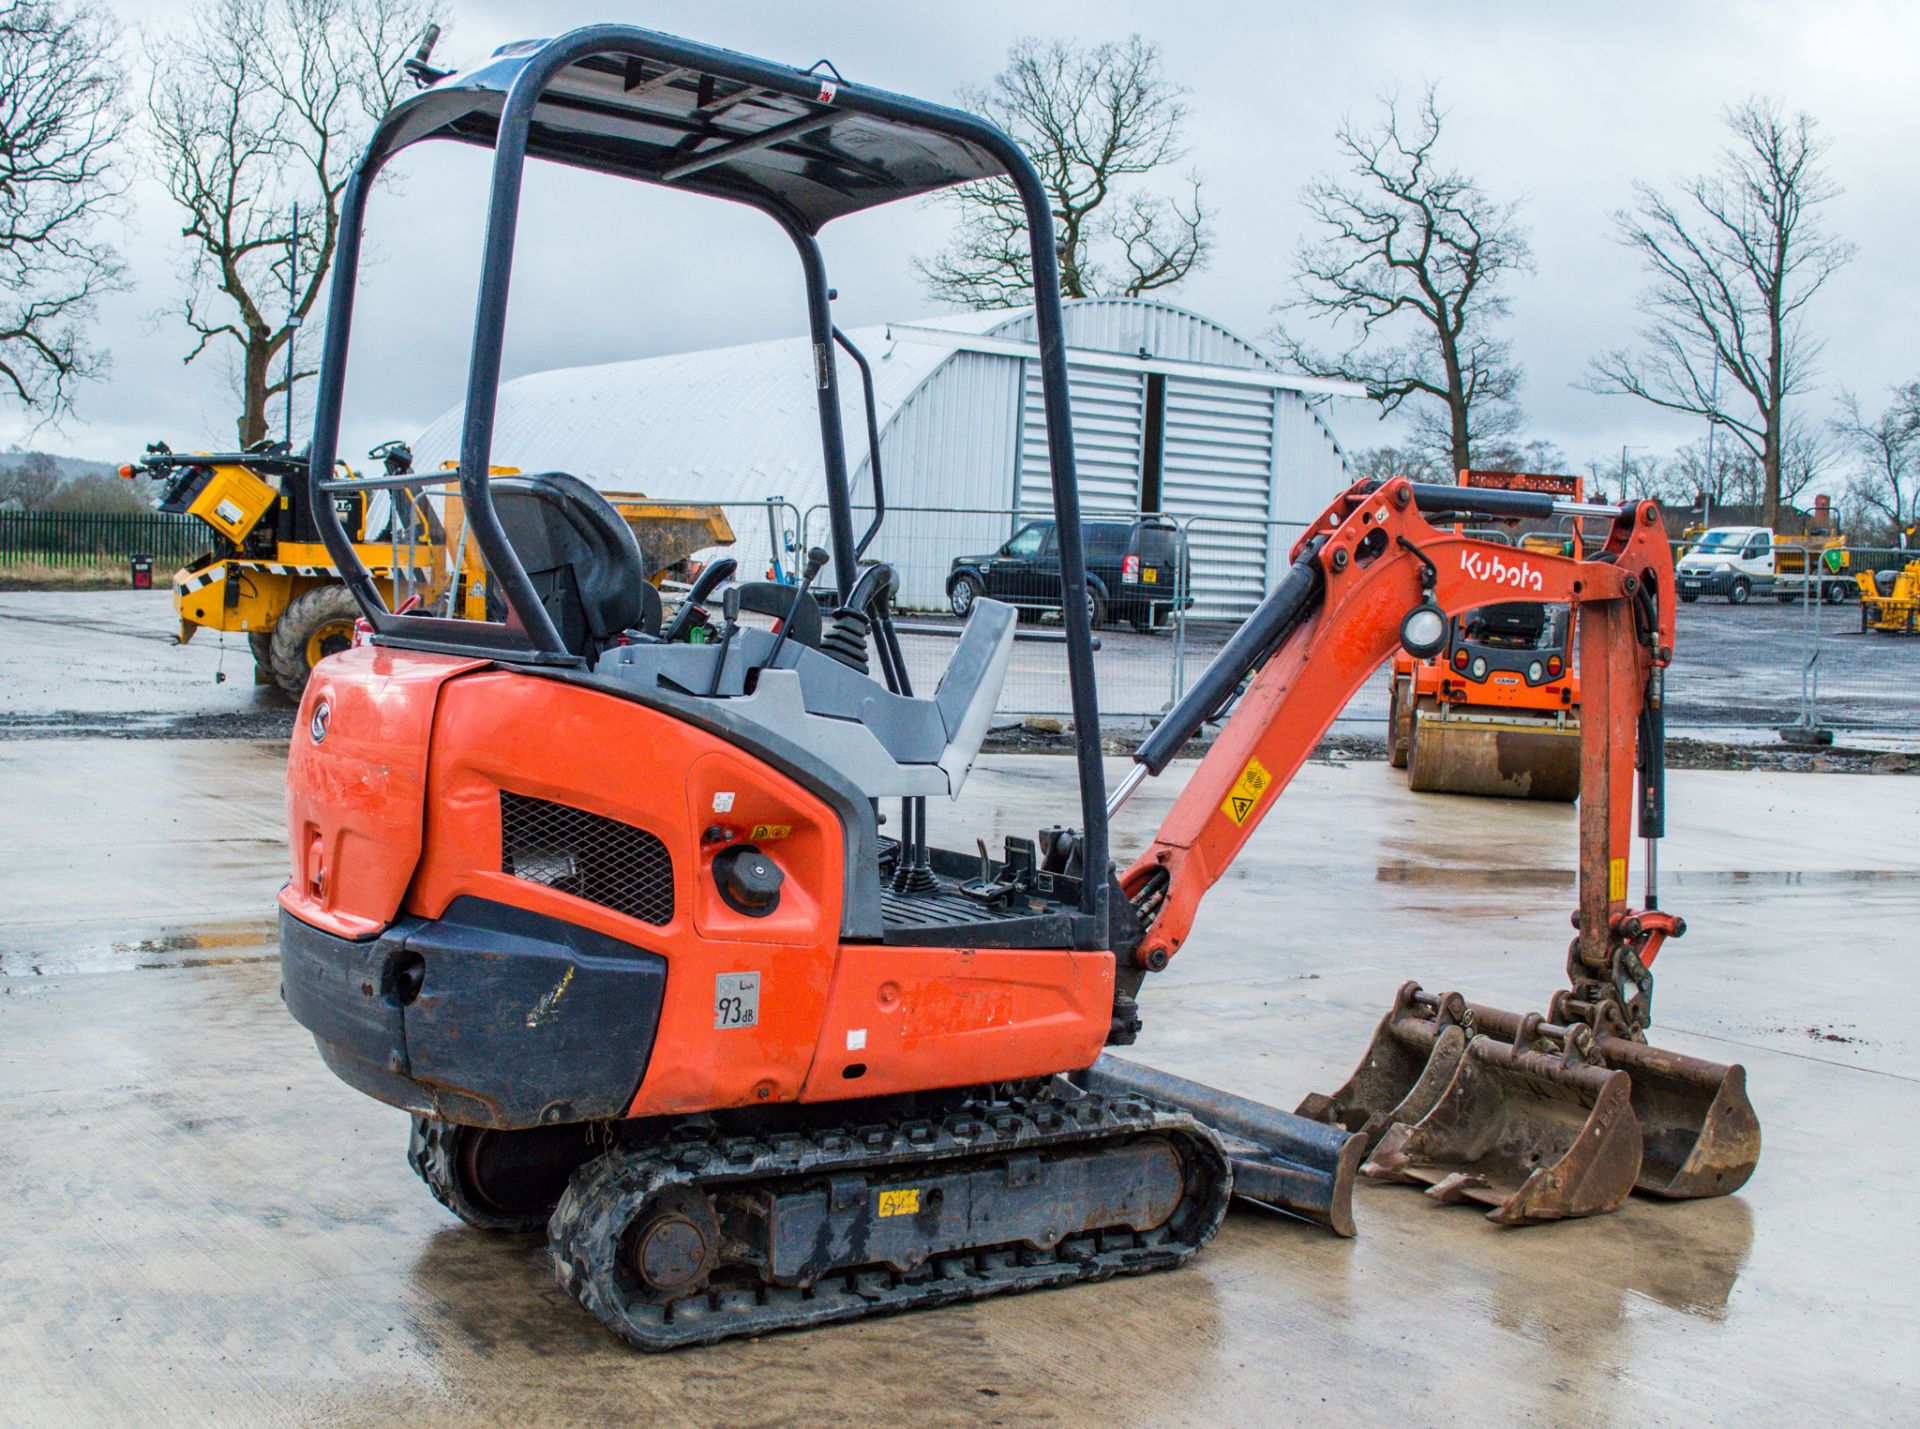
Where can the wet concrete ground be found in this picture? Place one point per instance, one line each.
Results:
(203, 1225)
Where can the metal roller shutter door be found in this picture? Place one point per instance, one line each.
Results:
(1109, 410)
(1218, 465)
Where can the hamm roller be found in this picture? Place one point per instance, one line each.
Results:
(1496, 710)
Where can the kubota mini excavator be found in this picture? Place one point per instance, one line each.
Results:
(1496, 711)
(609, 911)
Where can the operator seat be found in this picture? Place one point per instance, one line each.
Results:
(1516, 623)
(582, 558)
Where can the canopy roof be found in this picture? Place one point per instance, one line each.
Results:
(667, 111)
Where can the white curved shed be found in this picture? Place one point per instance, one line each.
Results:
(1172, 412)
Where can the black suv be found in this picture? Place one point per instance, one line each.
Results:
(1134, 571)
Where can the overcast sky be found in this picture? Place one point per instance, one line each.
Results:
(1559, 105)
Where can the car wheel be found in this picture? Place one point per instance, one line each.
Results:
(966, 589)
(1738, 592)
(1096, 609)
(1838, 592)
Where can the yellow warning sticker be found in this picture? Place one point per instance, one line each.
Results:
(1617, 881)
(1245, 794)
(766, 833)
(900, 1203)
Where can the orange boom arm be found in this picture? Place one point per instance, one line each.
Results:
(1374, 559)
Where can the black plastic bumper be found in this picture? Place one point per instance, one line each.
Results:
(489, 1015)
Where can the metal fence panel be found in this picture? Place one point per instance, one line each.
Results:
(90, 538)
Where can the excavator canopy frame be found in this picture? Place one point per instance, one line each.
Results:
(803, 146)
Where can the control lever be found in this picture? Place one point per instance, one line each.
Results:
(730, 610)
(816, 561)
(703, 586)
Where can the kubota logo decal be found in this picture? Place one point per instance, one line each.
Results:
(1518, 574)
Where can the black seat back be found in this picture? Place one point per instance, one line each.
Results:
(1518, 623)
(580, 555)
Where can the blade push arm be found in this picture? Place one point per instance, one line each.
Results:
(1369, 560)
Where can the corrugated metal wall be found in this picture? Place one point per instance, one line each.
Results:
(1109, 414)
(952, 446)
(1218, 466)
(1130, 324)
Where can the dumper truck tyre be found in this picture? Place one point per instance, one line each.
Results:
(314, 625)
(1738, 592)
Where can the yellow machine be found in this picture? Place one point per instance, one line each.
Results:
(1890, 600)
(270, 578)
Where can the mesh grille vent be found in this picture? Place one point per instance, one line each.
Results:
(601, 860)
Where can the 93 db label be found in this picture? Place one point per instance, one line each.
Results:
(736, 1000)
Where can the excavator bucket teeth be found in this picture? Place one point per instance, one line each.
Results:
(1699, 1133)
(1496, 757)
(1524, 1134)
(1414, 1053)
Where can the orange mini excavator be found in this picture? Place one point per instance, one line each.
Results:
(608, 909)
(1496, 711)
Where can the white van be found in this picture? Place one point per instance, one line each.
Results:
(1734, 561)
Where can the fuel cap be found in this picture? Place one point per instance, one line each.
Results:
(748, 880)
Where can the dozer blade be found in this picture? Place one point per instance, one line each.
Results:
(1415, 1051)
(1523, 1133)
(1699, 1135)
(1291, 1164)
(1504, 756)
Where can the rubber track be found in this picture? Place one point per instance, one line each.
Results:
(431, 1154)
(606, 1194)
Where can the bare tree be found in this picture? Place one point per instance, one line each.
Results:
(1536, 454)
(1732, 479)
(1095, 120)
(1408, 268)
(1734, 262)
(1885, 481)
(60, 118)
(1383, 463)
(28, 482)
(257, 106)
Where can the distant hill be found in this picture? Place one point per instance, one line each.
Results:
(63, 466)
(46, 481)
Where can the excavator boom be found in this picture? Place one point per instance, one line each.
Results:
(1536, 1117)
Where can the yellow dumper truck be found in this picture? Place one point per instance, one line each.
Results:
(269, 577)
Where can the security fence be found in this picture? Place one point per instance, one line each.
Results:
(1784, 652)
(81, 539)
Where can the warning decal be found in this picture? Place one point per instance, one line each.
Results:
(1245, 794)
(900, 1203)
(766, 833)
(1617, 881)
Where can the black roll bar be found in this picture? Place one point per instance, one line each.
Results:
(529, 635)
(873, 441)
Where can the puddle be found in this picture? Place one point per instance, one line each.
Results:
(213, 945)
